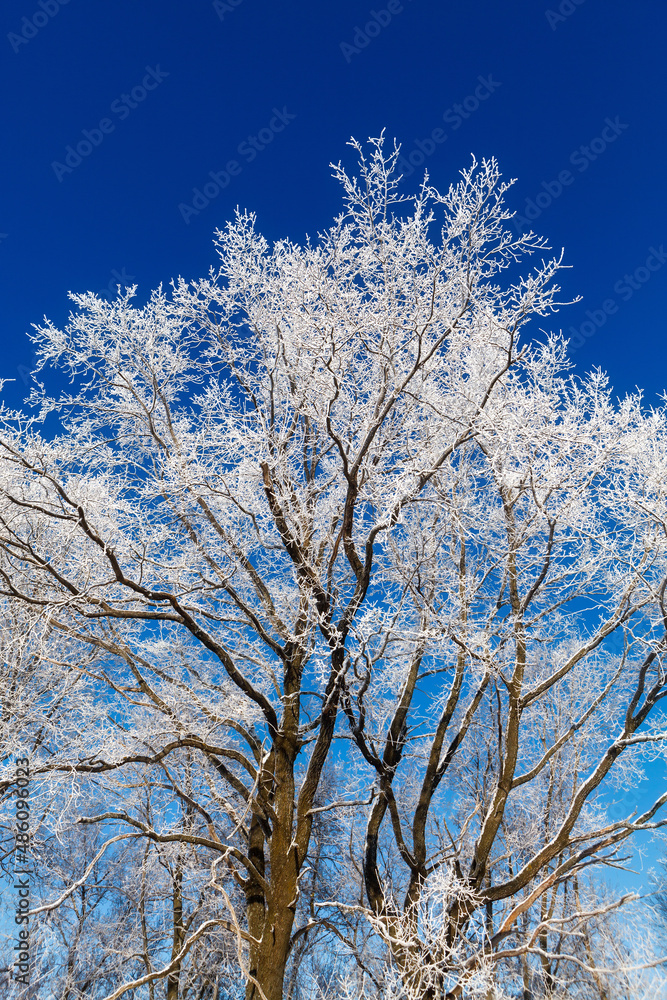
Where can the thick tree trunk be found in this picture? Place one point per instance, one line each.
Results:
(271, 911)
(269, 957)
(271, 962)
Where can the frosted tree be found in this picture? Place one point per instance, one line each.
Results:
(315, 544)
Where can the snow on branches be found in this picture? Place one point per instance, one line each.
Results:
(323, 584)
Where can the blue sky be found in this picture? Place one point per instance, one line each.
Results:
(555, 74)
(115, 116)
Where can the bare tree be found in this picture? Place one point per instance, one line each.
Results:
(509, 565)
(323, 498)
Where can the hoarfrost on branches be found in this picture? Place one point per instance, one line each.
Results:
(332, 610)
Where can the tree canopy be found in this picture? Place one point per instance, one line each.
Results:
(332, 609)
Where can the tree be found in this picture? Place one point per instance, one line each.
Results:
(317, 514)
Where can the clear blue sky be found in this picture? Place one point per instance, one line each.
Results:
(556, 77)
(171, 92)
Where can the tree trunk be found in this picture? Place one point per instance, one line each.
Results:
(178, 933)
(269, 958)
